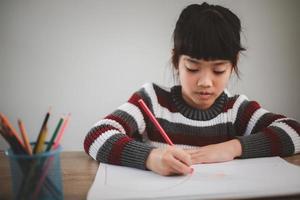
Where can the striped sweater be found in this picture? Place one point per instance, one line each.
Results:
(126, 136)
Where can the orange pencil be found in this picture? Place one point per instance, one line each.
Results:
(11, 129)
(25, 137)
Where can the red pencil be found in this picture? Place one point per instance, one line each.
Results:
(61, 132)
(154, 121)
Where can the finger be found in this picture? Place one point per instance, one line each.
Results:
(182, 156)
(180, 167)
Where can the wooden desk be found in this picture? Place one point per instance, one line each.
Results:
(78, 172)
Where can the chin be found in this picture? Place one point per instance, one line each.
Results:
(203, 106)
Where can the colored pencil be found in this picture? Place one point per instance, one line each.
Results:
(50, 160)
(60, 134)
(51, 142)
(48, 163)
(10, 129)
(154, 121)
(41, 142)
(42, 135)
(25, 137)
(17, 146)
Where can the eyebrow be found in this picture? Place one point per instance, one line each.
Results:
(192, 60)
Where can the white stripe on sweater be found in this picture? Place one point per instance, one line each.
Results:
(111, 123)
(235, 108)
(284, 119)
(290, 132)
(97, 144)
(164, 113)
(164, 145)
(254, 119)
(136, 113)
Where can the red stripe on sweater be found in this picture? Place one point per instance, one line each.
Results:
(164, 99)
(266, 121)
(229, 104)
(248, 112)
(120, 121)
(134, 99)
(116, 151)
(94, 135)
(275, 141)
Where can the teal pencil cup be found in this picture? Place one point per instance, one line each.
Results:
(36, 177)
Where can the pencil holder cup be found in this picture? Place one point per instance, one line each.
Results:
(36, 176)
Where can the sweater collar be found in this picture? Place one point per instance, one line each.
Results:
(194, 113)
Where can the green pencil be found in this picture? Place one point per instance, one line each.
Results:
(54, 134)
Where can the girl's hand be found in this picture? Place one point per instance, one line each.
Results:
(221, 152)
(169, 161)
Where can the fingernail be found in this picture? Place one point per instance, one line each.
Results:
(192, 170)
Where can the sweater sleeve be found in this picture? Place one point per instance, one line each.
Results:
(117, 139)
(263, 133)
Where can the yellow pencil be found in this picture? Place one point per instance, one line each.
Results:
(39, 146)
(25, 137)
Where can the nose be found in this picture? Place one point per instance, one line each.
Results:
(204, 81)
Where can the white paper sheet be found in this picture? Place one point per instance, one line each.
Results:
(247, 178)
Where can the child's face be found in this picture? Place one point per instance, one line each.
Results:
(203, 81)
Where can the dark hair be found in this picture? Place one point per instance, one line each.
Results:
(207, 32)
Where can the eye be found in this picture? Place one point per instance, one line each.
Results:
(219, 72)
(191, 69)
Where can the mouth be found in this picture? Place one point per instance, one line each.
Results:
(204, 95)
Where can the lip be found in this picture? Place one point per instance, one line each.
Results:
(204, 95)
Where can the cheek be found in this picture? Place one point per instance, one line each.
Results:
(222, 83)
(188, 80)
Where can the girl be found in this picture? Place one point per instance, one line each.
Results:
(204, 122)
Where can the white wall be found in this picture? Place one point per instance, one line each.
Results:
(87, 57)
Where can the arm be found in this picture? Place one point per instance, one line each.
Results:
(213, 153)
(263, 133)
(114, 139)
(259, 134)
